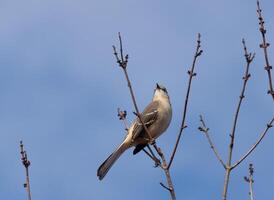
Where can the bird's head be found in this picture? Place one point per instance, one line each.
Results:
(160, 92)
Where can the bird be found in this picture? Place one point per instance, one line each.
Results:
(156, 116)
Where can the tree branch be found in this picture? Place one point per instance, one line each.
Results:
(153, 157)
(26, 164)
(167, 173)
(122, 115)
(249, 58)
(250, 181)
(164, 186)
(191, 74)
(205, 130)
(269, 125)
(264, 46)
(123, 64)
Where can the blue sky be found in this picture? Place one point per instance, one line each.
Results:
(60, 88)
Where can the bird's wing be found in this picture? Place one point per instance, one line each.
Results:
(149, 115)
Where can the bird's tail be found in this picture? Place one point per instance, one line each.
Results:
(107, 164)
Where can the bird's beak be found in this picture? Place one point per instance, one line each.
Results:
(158, 86)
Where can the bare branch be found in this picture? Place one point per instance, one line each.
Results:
(26, 164)
(123, 64)
(249, 58)
(191, 74)
(264, 46)
(246, 77)
(250, 180)
(164, 186)
(122, 114)
(269, 125)
(157, 162)
(167, 173)
(205, 130)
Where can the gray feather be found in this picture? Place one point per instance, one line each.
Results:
(107, 164)
(149, 115)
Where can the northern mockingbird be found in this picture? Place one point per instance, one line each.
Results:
(156, 116)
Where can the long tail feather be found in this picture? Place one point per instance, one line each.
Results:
(107, 164)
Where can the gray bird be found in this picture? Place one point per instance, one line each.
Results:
(156, 116)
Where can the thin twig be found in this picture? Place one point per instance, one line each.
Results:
(205, 130)
(250, 181)
(122, 114)
(166, 170)
(264, 46)
(123, 64)
(191, 74)
(157, 162)
(26, 164)
(269, 125)
(249, 58)
(164, 186)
